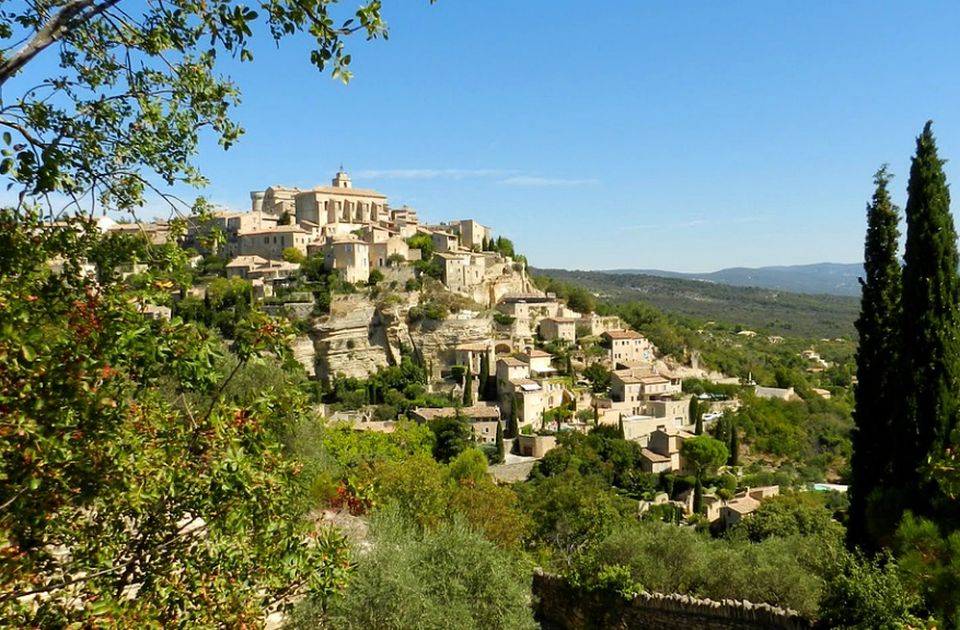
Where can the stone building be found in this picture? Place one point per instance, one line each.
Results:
(340, 203)
(627, 346)
(553, 328)
(270, 243)
(350, 257)
(472, 234)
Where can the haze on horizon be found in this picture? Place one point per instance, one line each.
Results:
(688, 139)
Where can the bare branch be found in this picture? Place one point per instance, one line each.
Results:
(70, 15)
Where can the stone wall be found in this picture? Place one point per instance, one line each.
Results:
(562, 607)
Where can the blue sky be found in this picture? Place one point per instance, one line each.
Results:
(686, 136)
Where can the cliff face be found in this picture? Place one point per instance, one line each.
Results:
(362, 334)
(351, 340)
(437, 341)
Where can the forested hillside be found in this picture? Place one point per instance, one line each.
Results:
(769, 311)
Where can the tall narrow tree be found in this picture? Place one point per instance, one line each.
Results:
(931, 322)
(876, 394)
(468, 388)
(501, 452)
(482, 392)
(734, 459)
(696, 418)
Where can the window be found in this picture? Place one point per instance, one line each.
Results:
(266, 239)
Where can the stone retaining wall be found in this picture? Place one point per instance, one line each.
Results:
(562, 607)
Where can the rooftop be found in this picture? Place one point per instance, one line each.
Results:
(476, 411)
(512, 362)
(622, 334)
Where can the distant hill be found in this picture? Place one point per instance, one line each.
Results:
(820, 278)
(771, 310)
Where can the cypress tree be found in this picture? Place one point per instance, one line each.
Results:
(695, 415)
(468, 388)
(512, 428)
(876, 393)
(501, 452)
(482, 393)
(931, 323)
(620, 430)
(734, 459)
(698, 495)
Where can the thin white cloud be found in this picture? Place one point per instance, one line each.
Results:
(528, 181)
(432, 173)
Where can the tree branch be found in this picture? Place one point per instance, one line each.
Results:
(71, 14)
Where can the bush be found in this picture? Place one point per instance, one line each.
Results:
(449, 577)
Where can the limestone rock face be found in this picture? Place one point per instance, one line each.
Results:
(351, 340)
(303, 351)
(436, 341)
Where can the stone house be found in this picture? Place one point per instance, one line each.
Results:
(538, 361)
(270, 243)
(664, 442)
(627, 345)
(483, 419)
(444, 241)
(470, 354)
(776, 392)
(460, 270)
(535, 445)
(509, 369)
(529, 396)
(350, 257)
(564, 328)
(471, 233)
(657, 387)
(256, 267)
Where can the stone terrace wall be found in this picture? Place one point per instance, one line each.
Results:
(562, 607)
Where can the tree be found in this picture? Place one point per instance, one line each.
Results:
(877, 394)
(513, 426)
(131, 454)
(696, 416)
(447, 577)
(293, 255)
(468, 388)
(501, 452)
(136, 86)
(620, 432)
(734, 459)
(453, 436)
(599, 377)
(483, 393)
(702, 453)
(374, 277)
(930, 369)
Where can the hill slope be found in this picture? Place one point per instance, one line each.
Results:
(823, 278)
(767, 310)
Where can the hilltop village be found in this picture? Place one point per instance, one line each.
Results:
(458, 302)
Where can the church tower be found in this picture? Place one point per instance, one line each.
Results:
(341, 179)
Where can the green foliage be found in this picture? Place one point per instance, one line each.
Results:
(599, 377)
(469, 466)
(133, 88)
(801, 513)
(376, 276)
(453, 436)
(448, 577)
(501, 452)
(703, 453)
(868, 595)
(878, 394)
(929, 559)
(664, 558)
(931, 327)
(571, 513)
(652, 305)
(424, 243)
(123, 445)
(293, 255)
(813, 435)
(503, 319)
